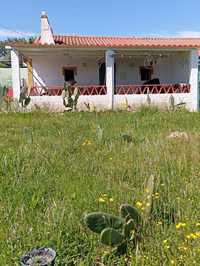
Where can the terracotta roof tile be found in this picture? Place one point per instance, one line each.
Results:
(123, 42)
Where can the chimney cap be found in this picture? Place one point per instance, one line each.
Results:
(44, 14)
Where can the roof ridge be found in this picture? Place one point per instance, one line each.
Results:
(127, 37)
(93, 36)
(85, 41)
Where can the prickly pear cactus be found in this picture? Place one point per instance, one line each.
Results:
(24, 98)
(148, 99)
(70, 96)
(115, 231)
(111, 237)
(128, 212)
(98, 221)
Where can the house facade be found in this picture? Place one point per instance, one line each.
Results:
(109, 71)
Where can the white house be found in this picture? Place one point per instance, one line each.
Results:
(109, 70)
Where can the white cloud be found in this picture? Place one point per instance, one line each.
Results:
(6, 33)
(192, 34)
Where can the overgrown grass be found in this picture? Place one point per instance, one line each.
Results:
(53, 168)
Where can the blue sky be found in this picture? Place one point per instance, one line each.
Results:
(103, 17)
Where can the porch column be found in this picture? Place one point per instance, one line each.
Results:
(194, 80)
(110, 77)
(15, 74)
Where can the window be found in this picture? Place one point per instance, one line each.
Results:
(69, 73)
(145, 73)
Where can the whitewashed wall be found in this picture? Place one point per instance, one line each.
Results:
(101, 102)
(171, 69)
(48, 69)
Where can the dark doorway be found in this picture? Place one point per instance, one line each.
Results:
(145, 73)
(102, 74)
(68, 74)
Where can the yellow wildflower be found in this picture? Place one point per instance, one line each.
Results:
(172, 262)
(87, 142)
(197, 234)
(139, 204)
(180, 225)
(191, 236)
(188, 236)
(165, 241)
(197, 224)
(102, 200)
(111, 199)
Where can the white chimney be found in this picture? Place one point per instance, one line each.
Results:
(46, 30)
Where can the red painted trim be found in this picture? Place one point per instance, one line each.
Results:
(57, 90)
(153, 89)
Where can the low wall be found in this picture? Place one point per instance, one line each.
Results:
(101, 102)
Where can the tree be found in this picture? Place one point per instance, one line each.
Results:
(2, 49)
(8, 41)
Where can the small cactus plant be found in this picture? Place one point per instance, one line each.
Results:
(171, 103)
(127, 138)
(115, 231)
(70, 95)
(121, 231)
(24, 98)
(148, 99)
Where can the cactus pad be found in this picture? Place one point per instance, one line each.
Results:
(128, 212)
(98, 221)
(111, 237)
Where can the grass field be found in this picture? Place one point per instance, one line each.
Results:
(55, 167)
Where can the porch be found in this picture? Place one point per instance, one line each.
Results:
(114, 75)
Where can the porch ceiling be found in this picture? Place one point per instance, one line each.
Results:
(101, 54)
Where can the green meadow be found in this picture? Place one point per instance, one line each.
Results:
(56, 167)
